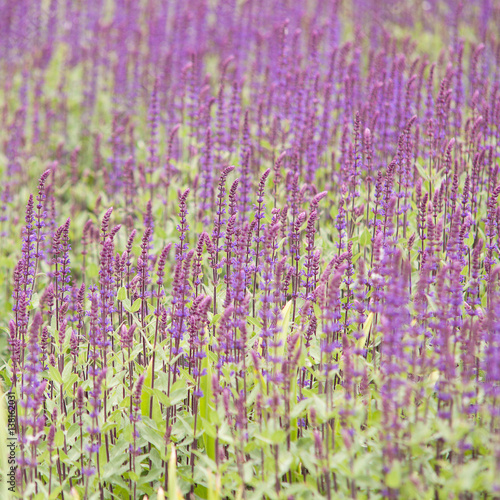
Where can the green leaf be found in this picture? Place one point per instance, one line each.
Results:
(118, 462)
(356, 257)
(54, 492)
(215, 318)
(55, 375)
(92, 270)
(134, 307)
(360, 343)
(59, 439)
(122, 293)
(214, 486)
(161, 396)
(133, 475)
(300, 408)
(35, 301)
(393, 478)
(254, 321)
(285, 324)
(422, 171)
(67, 371)
(161, 233)
(174, 492)
(71, 379)
(178, 391)
(266, 144)
(151, 435)
(365, 237)
(185, 374)
(147, 394)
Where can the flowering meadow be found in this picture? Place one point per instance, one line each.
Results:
(250, 249)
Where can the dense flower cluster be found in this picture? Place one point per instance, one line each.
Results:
(263, 255)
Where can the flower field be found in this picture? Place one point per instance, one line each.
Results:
(250, 249)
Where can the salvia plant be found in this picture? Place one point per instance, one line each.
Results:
(250, 249)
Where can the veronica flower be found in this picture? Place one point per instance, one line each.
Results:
(341, 225)
(107, 294)
(153, 142)
(32, 419)
(182, 227)
(207, 189)
(28, 247)
(220, 221)
(135, 415)
(98, 377)
(244, 174)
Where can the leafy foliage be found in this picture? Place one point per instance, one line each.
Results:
(261, 259)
